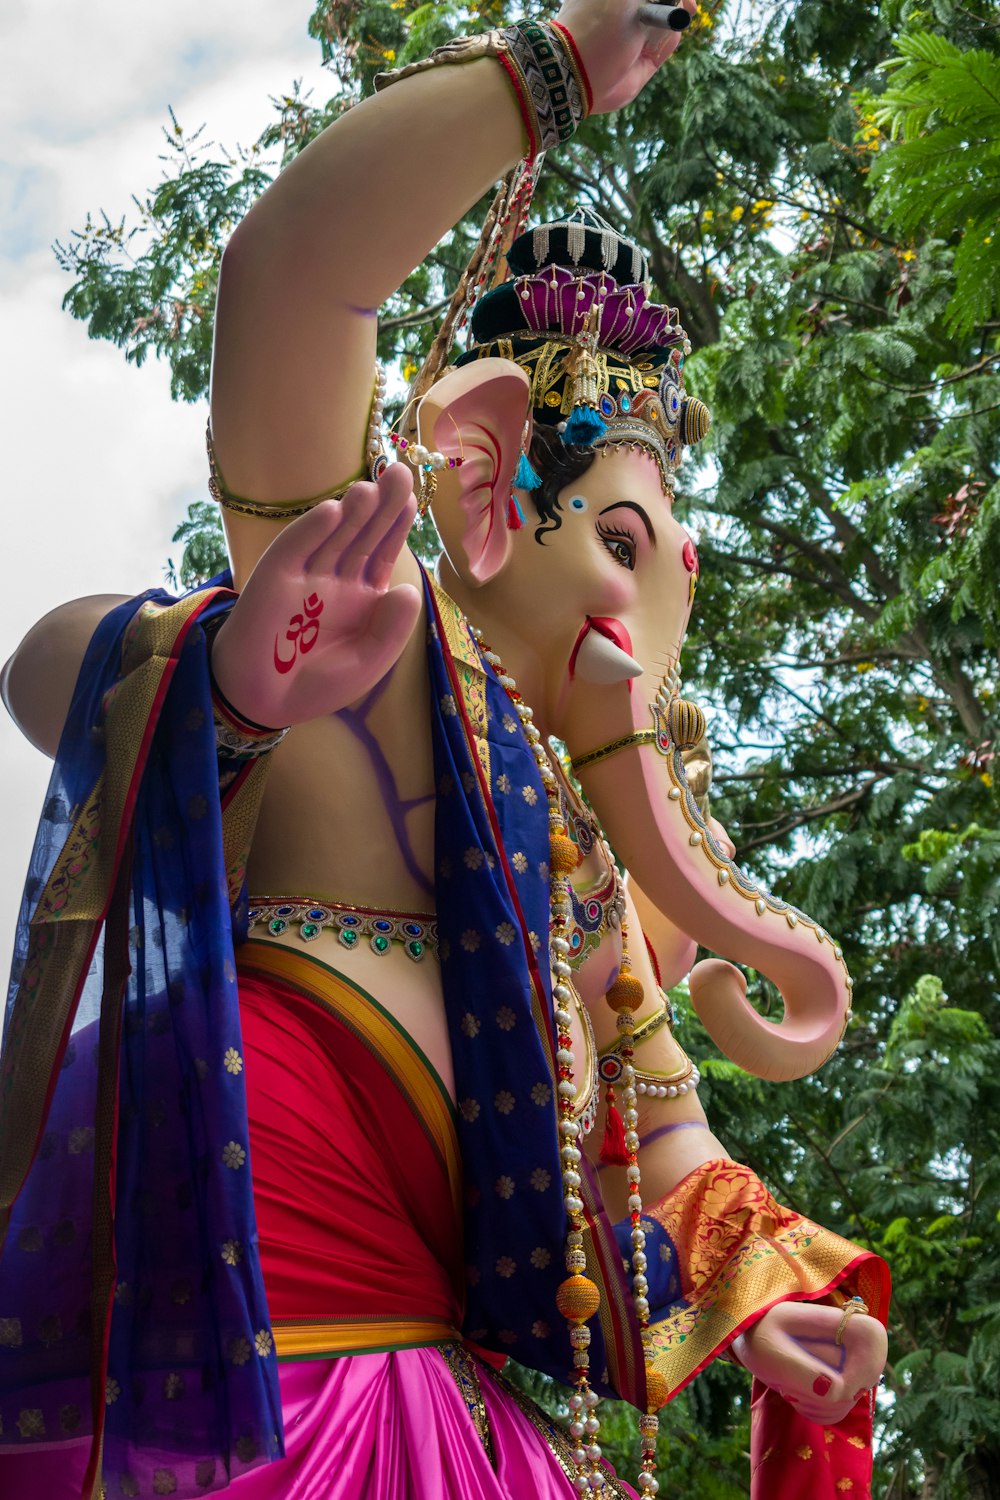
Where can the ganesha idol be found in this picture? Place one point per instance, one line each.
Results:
(340, 1065)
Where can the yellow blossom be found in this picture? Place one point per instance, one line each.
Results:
(736, 213)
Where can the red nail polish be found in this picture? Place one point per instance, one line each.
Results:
(821, 1385)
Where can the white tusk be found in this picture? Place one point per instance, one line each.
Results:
(601, 661)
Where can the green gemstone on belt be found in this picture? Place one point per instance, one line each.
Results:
(277, 925)
(415, 949)
(381, 944)
(310, 930)
(348, 936)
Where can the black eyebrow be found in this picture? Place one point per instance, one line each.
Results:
(631, 505)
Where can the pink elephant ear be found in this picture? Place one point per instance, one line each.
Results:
(477, 413)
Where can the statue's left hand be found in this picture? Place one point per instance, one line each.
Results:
(317, 624)
(619, 50)
(793, 1348)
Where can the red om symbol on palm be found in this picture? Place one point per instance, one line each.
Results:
(302, 633)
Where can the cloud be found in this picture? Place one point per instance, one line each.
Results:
(97, 465)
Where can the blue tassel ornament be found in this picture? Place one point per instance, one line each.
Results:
(526, 478)
(584, 427)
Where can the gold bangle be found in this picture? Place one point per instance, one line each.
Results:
(855, 1305)
(603, 752)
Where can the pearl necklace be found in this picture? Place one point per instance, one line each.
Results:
(578, 1298)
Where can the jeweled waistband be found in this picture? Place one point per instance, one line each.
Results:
(415, 932)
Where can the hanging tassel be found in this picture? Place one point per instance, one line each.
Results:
(515, 515)
(584, 427)
(526, 478)
(613, 1149)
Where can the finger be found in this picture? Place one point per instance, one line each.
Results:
(298, 540)
(391, 489)
(395, 499)
(354, 512)
(384, 554)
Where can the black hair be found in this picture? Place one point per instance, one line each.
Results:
(557, 464)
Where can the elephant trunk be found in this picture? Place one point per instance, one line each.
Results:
(655, 826)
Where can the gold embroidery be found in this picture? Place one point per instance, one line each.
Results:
(466, 1378)
(804, 1452)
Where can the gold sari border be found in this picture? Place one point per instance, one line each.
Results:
(331, 1338)
(392, 1047)
(777, 1260)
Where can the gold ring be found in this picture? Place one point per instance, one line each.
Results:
(855, 1305)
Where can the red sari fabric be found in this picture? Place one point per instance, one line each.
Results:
(792, 1458)
(354, 1178)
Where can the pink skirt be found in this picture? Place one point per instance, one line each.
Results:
(391, 1426)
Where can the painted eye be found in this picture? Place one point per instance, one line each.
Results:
(621, 545)
(579, 503)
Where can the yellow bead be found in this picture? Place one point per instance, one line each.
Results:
(626, 993)
(657, 1390)
(578, 1299)
(563, 855)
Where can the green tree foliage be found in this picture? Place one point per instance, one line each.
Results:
(817, 183)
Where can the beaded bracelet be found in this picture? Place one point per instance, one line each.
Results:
(238, 738)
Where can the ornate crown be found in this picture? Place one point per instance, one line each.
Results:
(605, 362)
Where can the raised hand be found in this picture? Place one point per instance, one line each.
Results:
(317, 624)
(620, 50)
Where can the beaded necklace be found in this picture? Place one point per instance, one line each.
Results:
(578, 1297)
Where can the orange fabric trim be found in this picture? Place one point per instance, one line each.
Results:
(328, 1338)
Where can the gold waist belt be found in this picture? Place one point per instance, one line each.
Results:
(327, 1338)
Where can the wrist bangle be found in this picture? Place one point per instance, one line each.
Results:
(545, 70)
(237, 738)
(576, 63)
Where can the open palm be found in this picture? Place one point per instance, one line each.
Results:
(317, 624)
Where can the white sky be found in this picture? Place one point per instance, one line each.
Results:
(98, 465)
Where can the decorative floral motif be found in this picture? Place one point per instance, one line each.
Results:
(507, 1336)
(519, 861)
(448, 705)
(232, 1062)
(506, 1266)
(9, 1332)
(504, 1102)
(509, 723)
(81, 1140)
(540, 1257)
(30, 1422)
(505, 934)
(233, 1155)
(505, 1187)
(530, 795)
(468, 782)
(473, 858)
(69, 1418)
(469, 1110)
(469, 1024)
(239, 1350)
(164, 1482)
(503, 783)
(173, 1386)
(112, 1390)
(505, 1018)
(540, 1330)
(540, 1180)
(470, 940)
(541, 1094)
(246, 1449)
(535, 941)
(263, 1342)
(232, 1252)
(50, 1330)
